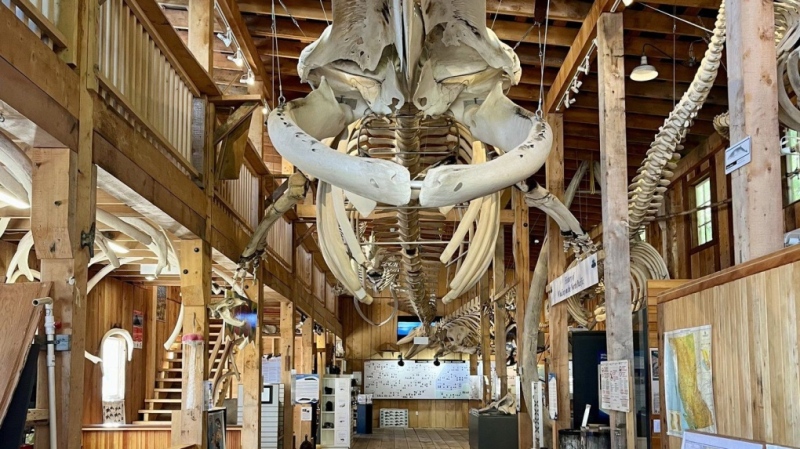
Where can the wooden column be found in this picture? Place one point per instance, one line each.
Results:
(557, 264)
(201, 32)
(251, 370)
(305, 365)
(522, 262)
(499, 283)
(62, 211)
(752, 94)
(195, 262)
(486, 340)
(614, 188)
(288, 322)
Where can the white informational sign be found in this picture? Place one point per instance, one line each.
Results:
(538, 412)
(693, 440)
(615, 381)
(421, 340)
(385, 379)
(305, 413)
(552, 392)
(306, 388)
(271, 370)
(737, 156)
(656, 405)
(575, 280)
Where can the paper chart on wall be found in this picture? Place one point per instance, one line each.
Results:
(385, 379)
(688, 381)
(692, 440)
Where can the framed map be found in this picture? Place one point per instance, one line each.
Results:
(688, 381)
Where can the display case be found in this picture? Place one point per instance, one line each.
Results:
(336, 412)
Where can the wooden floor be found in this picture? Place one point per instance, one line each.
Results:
(413, 439)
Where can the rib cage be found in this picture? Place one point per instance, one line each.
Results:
(416, 143)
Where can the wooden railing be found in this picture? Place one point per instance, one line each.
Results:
(42, 17)
(279, 242)
(241, 196)
(140, 81)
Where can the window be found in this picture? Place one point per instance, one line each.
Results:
(113, 351)
(702, 197)
(792, 143)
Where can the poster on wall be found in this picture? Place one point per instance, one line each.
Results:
(305, 388)
(615, 381)
(138, 329)
(161, 303)
(215, 433)
(688, 381)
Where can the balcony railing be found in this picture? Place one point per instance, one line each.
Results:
(241, 197)
(43, 17)
(138, 78)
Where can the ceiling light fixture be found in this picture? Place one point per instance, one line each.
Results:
(249, 78)
(644, 72)
(226, 37)
(237, 58)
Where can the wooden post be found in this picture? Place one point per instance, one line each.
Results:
(62, 211)
(195, 260)
(614, 188)
(251, 370)
(752, 94)
(288, 322)
(499, 282)
(522, 262)
(201, 32)
(559, 315)
(486, 340)
(304, 366)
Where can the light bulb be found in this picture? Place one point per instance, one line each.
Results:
(249, 78)
(150, 277)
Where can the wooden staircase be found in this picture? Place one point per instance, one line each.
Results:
(167, 392)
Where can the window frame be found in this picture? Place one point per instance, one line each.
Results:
(791, 185)
(695, 232)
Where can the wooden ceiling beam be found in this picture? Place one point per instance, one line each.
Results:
(577, 52)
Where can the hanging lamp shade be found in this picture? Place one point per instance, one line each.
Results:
(644, 72)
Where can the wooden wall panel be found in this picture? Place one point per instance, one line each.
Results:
(143, 437)
(111, 304)
(753, 311)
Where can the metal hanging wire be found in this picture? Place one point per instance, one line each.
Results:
(322, 5)
(542, 55)
(496, 12)
(277, 57)
(294, 21)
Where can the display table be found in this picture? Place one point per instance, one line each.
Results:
(492, 430)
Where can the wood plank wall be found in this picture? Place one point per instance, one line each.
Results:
(111, 304)
(143, 437)
(674, 237)
(753, 311)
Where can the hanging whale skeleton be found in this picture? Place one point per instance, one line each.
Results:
(408, 122)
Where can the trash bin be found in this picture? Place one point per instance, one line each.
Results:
(596, 438)
(569, 439)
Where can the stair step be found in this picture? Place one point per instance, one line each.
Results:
(151, 423)
(169, 379)
(163, 401)
(167, 390)
(156, 412)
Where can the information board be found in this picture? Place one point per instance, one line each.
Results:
(385, 379)
(615, 386)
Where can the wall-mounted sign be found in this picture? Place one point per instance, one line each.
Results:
(138, 329)
(737, 156)
(575, 280)
(552, 393)
(615, 380)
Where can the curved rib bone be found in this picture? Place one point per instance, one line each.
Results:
(296, 129)
(525, 139)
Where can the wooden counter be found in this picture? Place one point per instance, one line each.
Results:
(143, 437)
